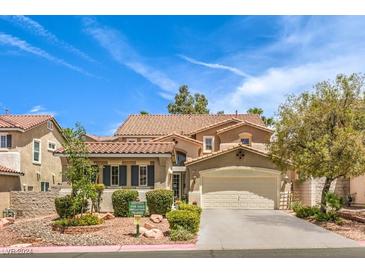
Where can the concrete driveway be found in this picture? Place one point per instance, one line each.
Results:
(263, 229)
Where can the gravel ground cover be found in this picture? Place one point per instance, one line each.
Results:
(118, 231)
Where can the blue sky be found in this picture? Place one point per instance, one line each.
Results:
(97, 70)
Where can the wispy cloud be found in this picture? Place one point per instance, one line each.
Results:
(9, 40)
(36, 109)
(40, 110)
(216, 66)
(122, 52)
(308, 50)
(36, 28)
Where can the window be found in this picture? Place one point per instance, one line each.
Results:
(50, 125)
(246, 138)
(145, 139)
(51, 146)
(5, 141)
(143, 175)
(36, 151)
(208, 143)
(44, 186)
(245, 141)
(131, 140)
(115, 176)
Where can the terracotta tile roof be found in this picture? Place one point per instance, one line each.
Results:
(10, 171)
(243, 124)
(22, 122)
(127, 148)
(224, 151)
(176, 135)
(230, 120)
(185, 124)
(102, 138)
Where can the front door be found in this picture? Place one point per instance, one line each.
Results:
(176, 185)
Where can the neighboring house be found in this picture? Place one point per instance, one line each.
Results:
(217, 161)
(27, 163)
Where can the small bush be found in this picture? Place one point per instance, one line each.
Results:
(186, 219)
(326, 217)
(159, 201)
(194, 208)
(333, 202)
(181, 234)
(67, 206)
(84, 220)
(121, 199)
(304, 211)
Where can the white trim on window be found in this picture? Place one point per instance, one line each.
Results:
(39, 152)
(3, 140)
(111, 175)
(52, 144)
(140, 177)
(50, 125)
(205, 138)
(132, 140)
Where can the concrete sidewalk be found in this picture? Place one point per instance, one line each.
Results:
(263, 229)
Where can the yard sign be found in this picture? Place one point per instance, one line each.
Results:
(137, 208)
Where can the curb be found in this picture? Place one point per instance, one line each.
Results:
(22, 249)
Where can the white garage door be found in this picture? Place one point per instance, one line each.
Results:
(239, 192)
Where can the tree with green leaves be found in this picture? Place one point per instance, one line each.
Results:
(79, 173)
(321, 134)
(269, 121)
(143, 112)
(185, 103)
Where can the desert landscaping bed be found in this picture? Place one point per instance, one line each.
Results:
(117, 231)
(348, 228)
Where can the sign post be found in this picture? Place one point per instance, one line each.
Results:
(137, 209)
(137, 222)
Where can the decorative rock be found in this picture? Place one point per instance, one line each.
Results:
(142, 230)
(154, 234)
(156, 218)
(4, 222)
(10, 219)
(149, 225)
(108, 216)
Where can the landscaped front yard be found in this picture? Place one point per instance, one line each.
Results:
(117, 231)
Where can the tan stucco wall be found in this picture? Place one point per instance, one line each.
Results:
(162, 165)
(309, 192)
(232, 136)
(213, 132)
(190, 149)
(7, 184)
(50, 165)
(357, 185)
(229, 159)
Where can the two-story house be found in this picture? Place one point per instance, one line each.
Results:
(27, 163)
(213, 160)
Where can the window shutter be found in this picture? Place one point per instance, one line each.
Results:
(122, 175)
(151, 175)
(106, 175)
(135, 175)
(9, 141)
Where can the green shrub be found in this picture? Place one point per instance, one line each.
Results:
(333, 202)
(99, 188)
(194, 208)
(304, 211)
(186, 219)
(159, 201)
(181, 234)
(84, 220)
(121, 199)
(330, 216)
(67, 206)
